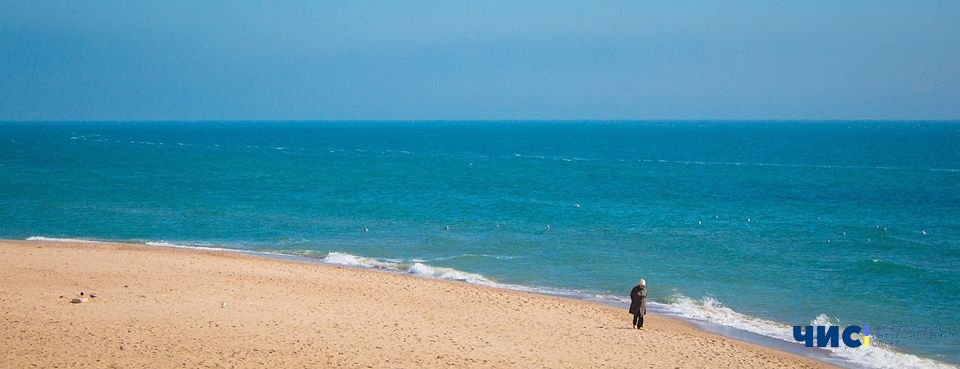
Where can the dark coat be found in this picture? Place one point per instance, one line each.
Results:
(638, 300)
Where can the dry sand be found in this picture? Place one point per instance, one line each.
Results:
(164, 307)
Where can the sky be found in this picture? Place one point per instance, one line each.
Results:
(479, 60)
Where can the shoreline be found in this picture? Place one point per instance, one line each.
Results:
(168, 306)
(819, 355)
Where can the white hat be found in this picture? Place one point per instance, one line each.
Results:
(643, 282)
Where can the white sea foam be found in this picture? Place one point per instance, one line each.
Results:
(358, 261)
(420, 268)
(451, 257)
(875, 357)
(449, 274)
(70, 240)
(710, 310)
(189, 246)
(199, 246)
(550, 158)
(782, 165)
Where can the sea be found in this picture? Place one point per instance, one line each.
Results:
(745, 228)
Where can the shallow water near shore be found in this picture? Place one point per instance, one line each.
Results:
(755, 226)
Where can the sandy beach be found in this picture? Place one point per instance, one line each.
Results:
(164, 307)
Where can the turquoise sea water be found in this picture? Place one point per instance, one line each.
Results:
(757, 226)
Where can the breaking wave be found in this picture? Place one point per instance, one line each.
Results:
(710, 310)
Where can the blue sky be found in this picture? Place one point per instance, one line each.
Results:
(343, 60)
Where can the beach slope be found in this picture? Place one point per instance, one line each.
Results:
(165, 307)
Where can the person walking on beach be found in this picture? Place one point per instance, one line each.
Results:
(638, 303)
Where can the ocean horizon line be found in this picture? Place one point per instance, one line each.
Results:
(499, 120)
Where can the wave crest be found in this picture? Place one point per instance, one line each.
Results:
(710, 310)
(449, 274)
(358, 261)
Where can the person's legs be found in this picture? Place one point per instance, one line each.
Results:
(637, 319)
